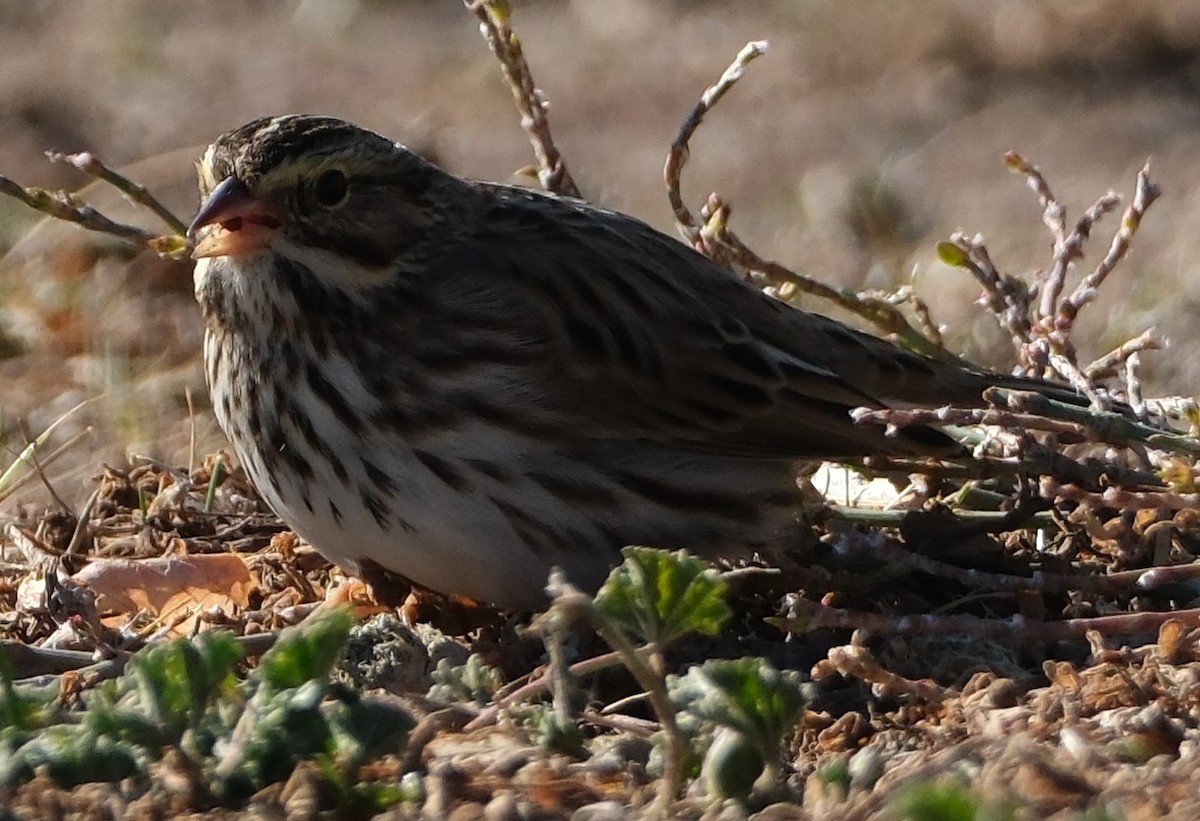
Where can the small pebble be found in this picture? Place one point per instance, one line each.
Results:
(600, 811)
(502, 807)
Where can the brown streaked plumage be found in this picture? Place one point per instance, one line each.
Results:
(469, 383)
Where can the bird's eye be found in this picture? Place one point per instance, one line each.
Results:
(330, 188)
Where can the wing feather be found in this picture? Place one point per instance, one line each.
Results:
(639, 337)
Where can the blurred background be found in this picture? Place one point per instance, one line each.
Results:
(869, 132)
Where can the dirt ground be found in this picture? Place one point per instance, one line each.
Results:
(869, 132)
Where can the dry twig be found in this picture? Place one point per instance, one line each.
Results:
(711, 235)
(70, 207)
(1102, 427)
(856, 661)
(1037, 320)
(89, 163)
(1145, 193)
(552, 170)
(805, 616)
(1067, 247)
(853, 545)
(1008, 298)
(1109, 365)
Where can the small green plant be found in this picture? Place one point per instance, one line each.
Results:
(945, 801)
(741, 710)
(658, 596)
(733, 713)
(238, 736)
(19, 712)
(474, 682)
(163, 700)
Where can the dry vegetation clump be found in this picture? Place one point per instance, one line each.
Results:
(1010, 635)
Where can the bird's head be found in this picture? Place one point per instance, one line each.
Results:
(320, 191)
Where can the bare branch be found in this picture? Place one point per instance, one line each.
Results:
(1103, 427)
(805, 616)
(1145, 193)
(1110, 364)
(710, 233)
(1008, 298)
(678, 154)
(89, 163)
(879, 312)
(1054, 214)
(925, 324)
(1071, 249)
(1067, 247)
(70, 208)
(1120, 498)
(494, 25)
(1133, 385)
(906, 417)
(1062, 359)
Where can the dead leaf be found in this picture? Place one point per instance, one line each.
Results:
(174, 588)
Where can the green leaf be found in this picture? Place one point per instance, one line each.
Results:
(72, 755)
(543, 727)
(499, 11)
(367, 800)
(836, 771)
(747, 694)
(732, 764)
(174, 683)
(375, 726)
(278, 729)
(758, 704)
(173, 246)
(952, 254)
(131, 726)
(472, 682)
(659, 596)
(20, 713)
(936, 802)
(238, 737)
(307, 651)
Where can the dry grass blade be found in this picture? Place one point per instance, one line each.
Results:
(26, 459)
(40, 465)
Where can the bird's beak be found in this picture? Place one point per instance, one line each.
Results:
(237, 223)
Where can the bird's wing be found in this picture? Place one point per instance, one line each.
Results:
(635, 336)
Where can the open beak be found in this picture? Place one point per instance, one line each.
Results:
(237, 223)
